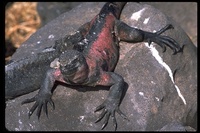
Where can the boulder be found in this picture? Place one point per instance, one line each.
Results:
(50, 10)
(175, 126)
(161, 88)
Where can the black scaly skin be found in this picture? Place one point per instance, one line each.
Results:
(31, 71)
(93, 56)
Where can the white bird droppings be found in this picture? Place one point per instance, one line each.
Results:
(146, 20)
(157, 99)
(51, 36)
(81, 118)
(155, 53)
(31, 126)
(20, 122)
(141, 93)
(38, 42)
(48, 50)
(16, 129)
(137, 15)
(179, 93)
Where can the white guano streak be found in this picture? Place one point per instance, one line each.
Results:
(137, 15)
(155, 53)
(146, 20)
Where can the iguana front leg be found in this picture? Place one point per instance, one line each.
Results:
(134, 35)
(72, 69)
(44, 95)
(112, 102)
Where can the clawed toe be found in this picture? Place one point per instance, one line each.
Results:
(122, 114)
(167, 27)
(165, 40)
(101, 115)
(107, 116)
(107, 112)
(40, 102)
(28, 101)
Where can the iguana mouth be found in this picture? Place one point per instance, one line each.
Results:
(69, 70)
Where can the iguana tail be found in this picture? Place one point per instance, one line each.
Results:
(26, 75)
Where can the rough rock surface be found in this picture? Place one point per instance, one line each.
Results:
(152, 101)
(184, 13)
(50, 10)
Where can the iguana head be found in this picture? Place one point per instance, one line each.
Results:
(73, 66)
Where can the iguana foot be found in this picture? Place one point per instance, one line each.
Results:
(163, 40)
(167, 27)
(40, 101)
(109, 108)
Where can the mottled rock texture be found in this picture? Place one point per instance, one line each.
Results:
(152, 101)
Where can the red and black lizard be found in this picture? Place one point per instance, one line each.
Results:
(93, 57)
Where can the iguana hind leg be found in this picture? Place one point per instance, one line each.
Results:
(134, 35)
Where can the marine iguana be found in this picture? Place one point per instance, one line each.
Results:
(90, 61)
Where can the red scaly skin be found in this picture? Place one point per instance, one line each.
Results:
(104, 48)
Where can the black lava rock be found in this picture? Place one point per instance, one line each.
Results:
(162, 88)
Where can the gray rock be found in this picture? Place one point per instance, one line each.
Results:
(50, 10)
(151, 100)
(184, 13)
(175, 126)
